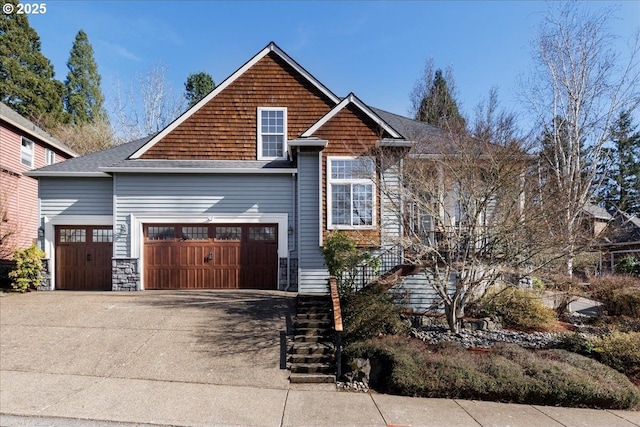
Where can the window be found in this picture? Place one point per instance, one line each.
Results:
(272, 133)
(262, 234)
(26, 152)
(195, 233)
(228, 233)
(160, 233)
(102, 235)
(351, 195)
(50, 156)
(73, 235)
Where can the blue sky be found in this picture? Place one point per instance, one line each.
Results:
(376, 49)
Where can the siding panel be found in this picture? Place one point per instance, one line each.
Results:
(76, 196)
(189, 194)
(313, 273)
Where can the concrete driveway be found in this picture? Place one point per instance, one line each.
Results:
(208, 337)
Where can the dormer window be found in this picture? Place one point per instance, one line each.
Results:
(272, 133)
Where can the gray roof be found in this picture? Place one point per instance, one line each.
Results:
(91, 163)
(116, 159)
(428, 138)
(10, 116)
(597, 212)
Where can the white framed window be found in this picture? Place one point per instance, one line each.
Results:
(26, 152)
(272, 133)
(351, 198)
(49, 156)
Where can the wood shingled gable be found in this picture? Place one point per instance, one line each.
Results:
(192, 134)
(351, 99)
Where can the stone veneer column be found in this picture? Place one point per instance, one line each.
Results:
(45, 274)
(125, 274)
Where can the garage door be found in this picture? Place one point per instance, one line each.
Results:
(83, 257)
(220, 256)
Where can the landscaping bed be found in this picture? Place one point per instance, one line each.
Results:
(505, 372)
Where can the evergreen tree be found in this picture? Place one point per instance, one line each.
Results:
(27, 81)
(438, 106)
(197, 86)
(83, 99)
(622, 187)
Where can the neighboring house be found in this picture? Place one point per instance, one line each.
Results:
(594, 220)
(621, 239)
(23, 147)
(239, 192)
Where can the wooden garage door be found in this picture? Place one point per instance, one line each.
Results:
(83, 258)
(221, 256)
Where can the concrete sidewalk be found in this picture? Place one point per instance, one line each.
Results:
(199, 359)
(36, 399)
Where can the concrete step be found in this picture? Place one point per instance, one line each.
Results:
(312, 338)
(326, 359)
(314, 332)
(324, 324)
(312, 378)
(310, 348)
(312, 368)
(317, 316)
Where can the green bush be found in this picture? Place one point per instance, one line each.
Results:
(628, 265)
(26, 273)
(368, 313)
(517, 308)
(343, 258)
(620, 295)
(507, 373)
(621, 351)
(576, 342)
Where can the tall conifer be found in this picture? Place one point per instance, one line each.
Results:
(27, 81)
(83, 98)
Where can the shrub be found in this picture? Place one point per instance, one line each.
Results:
(368, 313)
(517, 308)
(26, 273)
(628, 265)
(577, 342)
(620, 295)
(507, 373)
(621, 351)
(343, 257)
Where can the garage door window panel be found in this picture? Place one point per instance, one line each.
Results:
(160, 233)
(228, 233)
(73, 235)
(262, 234)
(102, 235)
(195, 233)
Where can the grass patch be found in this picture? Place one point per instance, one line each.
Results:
(508, 373)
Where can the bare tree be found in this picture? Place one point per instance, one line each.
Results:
(147, 106)
(467, 221)
(578, 86)
(86, 137)
(8, 226)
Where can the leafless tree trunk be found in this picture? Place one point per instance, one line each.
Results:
(147, 106)
(578, 87)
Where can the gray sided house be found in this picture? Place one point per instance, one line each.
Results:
(238, 192)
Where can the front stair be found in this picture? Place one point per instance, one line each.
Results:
(311, 350)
